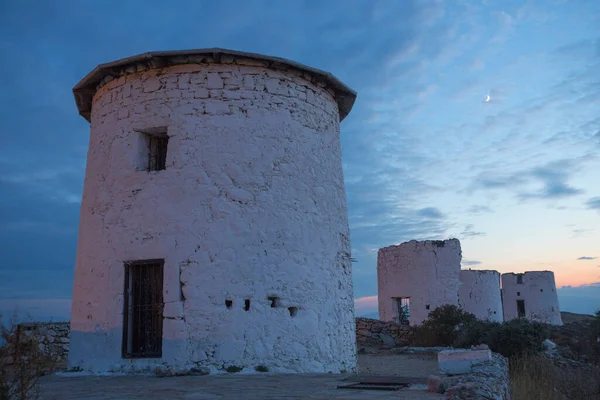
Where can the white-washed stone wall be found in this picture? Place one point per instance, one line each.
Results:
(251, 205)
(537, 290)
(479, 294)
(426, 271)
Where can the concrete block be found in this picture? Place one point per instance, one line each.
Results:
(459, 361)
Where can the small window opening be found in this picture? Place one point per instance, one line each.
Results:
(520, 278)
(427, 306)
(154, 149)
(157, 153)
(552, 308)
(246, 304)
(274, 301)
(494, 312)
(541, 290)
(293, 311)
(402, 310)
(521, 308)
(228, 303)
(518, 293)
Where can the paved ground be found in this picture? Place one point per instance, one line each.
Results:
(406, 368)
(407, 365)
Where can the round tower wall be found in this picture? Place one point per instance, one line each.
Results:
(479, 294)
(249, 215)
(531, 295)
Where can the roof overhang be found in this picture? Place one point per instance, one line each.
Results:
(85, 90)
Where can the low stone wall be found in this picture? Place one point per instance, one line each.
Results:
(52, 337)
(489, 380)
(373, 332)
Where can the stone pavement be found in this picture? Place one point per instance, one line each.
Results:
(229, 386)
(377, 363)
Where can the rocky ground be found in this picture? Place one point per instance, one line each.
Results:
(575, 359)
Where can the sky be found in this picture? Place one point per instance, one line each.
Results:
(516, 178)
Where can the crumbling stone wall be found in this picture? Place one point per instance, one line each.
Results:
(373, 332)
(488, 380)
(479, 294)
(537, 292)
(52, 338)
(427, 272)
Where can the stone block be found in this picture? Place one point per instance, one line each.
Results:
(196, 371)
(363, 332)
(387, 339)
(435, 384)
(214, 81)
(460, 361)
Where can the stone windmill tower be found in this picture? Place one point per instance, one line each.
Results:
(214, 229)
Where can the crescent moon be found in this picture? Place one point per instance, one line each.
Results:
(488, 98)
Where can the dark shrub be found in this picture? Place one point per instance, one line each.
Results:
(442, 327)
(515, 337)
(475, 332)
(21, 364)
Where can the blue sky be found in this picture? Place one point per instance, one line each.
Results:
(516, 179)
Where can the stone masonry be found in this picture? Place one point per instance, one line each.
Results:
(52, 338)
(373, 332)
(418, 276)
(246, 216)
(489, 380)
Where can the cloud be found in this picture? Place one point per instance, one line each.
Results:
(430, 212)
(593, 203)
(587, 258)
(405, 145)
(547, 181)
(469, 231)
(584, 299)
(478, 210)
(470, 262)
(366, 306)
(506, 25)
(581, 232)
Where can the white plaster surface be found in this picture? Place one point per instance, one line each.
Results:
(460, 361)
(479, 294)
(426, 271)
(538, 290)
(251, 204)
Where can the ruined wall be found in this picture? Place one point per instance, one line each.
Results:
(52, 338)
(537, 291)
(425, 271)
(251, 205)
(488, 380)
(479, 294)
(373, 332)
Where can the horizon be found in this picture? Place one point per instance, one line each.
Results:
(475, 120)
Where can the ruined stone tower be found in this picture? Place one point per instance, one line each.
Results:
(416, 277)
(479, 294)
(531, 295)
(214, 229)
